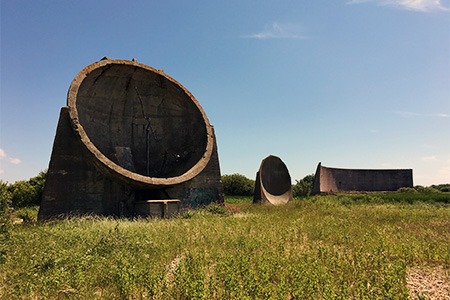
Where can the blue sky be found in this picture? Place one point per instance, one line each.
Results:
(351, 84)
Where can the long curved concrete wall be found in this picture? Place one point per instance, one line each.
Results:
(370, 180)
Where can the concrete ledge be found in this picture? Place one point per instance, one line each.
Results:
(164, 208)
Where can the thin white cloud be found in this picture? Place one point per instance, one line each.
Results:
(414, 5)
(12, 160)
(2, 171)
(278, 31)
(414, 114)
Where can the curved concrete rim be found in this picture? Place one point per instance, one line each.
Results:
(272, 198)
(277, 200)
(109, 166)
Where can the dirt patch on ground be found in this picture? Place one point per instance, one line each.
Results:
(429, 283)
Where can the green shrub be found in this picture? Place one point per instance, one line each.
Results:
(28, 214)
(407, 190)
(5, 218)
(5, 203)
(27, 193)
(303, 187)
(427, 190)
(445, 188)
(23, 194)
(38, 183)
(237, 185)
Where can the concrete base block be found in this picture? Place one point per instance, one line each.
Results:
(157, 208)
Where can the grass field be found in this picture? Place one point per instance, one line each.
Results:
(324, 247)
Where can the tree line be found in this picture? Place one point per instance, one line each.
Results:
(25, 193)
(239, 185)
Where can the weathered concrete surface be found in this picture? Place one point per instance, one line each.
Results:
(334, 180)
(120, 104)
(129, 133)
(273, 182)
(157, 208)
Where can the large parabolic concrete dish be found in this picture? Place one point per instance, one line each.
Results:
(273, 182)
(129, 133)
(141, 125)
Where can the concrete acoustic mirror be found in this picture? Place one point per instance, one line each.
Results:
(273, 182)
(331, 180)
(130, 136)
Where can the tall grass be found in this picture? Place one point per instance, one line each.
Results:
(321, 247)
